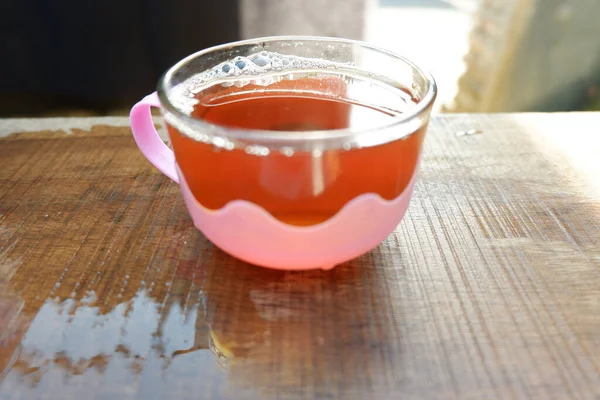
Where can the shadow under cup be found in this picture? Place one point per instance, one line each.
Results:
(296, 126)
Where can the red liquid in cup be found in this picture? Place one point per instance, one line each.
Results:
(300, 188)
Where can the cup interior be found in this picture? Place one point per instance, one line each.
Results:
(357, 72)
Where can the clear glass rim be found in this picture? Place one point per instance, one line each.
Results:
(283, 137)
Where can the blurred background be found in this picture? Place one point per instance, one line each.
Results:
(74, 58)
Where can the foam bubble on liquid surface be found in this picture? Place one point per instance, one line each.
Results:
(262, 69)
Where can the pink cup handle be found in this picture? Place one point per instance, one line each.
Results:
(147, 138)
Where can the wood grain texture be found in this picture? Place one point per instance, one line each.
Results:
(489, 288)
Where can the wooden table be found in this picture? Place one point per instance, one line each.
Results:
(489, 288)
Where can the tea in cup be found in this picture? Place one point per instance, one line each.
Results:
(291, 152)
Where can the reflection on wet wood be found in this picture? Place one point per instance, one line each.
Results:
(490, 288)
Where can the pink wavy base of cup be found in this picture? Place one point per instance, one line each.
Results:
(249, 233)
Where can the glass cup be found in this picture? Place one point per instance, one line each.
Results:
(291, 152)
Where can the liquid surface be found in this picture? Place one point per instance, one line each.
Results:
(297, 187)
